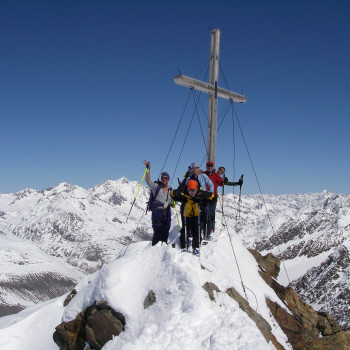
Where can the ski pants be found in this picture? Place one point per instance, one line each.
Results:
(161, 225)
(211, 219)
(205, 217)
(192, 229)
(183, 234)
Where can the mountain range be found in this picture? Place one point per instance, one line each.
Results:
(51, 239)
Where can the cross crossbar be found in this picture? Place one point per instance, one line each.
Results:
(208, 88)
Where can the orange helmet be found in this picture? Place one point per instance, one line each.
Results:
(192, 184)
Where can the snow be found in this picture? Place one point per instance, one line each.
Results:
(22, 259)
(32, 328)
(183, 316)
(296, 268)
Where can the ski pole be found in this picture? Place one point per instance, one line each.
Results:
(134, 231)
(239, 203)
(222, 205)
(222, 200)
(240, 192)
(137, 192)
(199, 231)
(208, 220)
(186, 239)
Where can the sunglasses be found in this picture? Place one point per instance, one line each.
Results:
(165, 177)
(192, 190)
(209, 166)
(196, 167)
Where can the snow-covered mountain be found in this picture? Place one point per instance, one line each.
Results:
(51, 238)
(86, 228)
(159, 298)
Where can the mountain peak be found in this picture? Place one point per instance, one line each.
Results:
(176, 280)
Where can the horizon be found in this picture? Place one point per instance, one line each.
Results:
(146, 186)
(85, 85)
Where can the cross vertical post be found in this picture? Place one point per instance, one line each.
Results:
(213, 96)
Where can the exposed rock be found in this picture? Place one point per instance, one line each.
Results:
(150, 299)
(289, 326)
(102, 323)
(71, 335)
(304, 327)
(210, 288)
(70, 296)
(327, 322)
(304, 338)
(117, 199)
(95, 325)
(268, 263)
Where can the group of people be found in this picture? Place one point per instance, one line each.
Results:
(198, 196)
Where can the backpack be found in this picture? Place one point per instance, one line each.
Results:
(152, 198)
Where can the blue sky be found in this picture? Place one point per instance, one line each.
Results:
(87, 91)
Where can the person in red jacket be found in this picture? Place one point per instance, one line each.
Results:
(217, 180)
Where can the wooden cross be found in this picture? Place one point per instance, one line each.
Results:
(213, 91)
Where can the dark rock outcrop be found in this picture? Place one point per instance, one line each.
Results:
(269, 263)
(210, 288)
(150, 299)
(95, 325)
(70, 296)
(305, 328)
(318, 332)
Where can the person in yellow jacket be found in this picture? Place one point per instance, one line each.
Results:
(191, 196)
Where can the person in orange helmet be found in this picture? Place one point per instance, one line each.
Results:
(191, 195)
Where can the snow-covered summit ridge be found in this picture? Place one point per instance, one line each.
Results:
(183, 315)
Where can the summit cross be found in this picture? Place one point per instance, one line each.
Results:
(213, 91)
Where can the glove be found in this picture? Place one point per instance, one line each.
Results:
(182, 186)
(240, 181)
(225, 180)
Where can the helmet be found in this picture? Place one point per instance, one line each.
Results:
(192, 184)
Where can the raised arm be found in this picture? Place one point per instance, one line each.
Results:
(148, 174)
